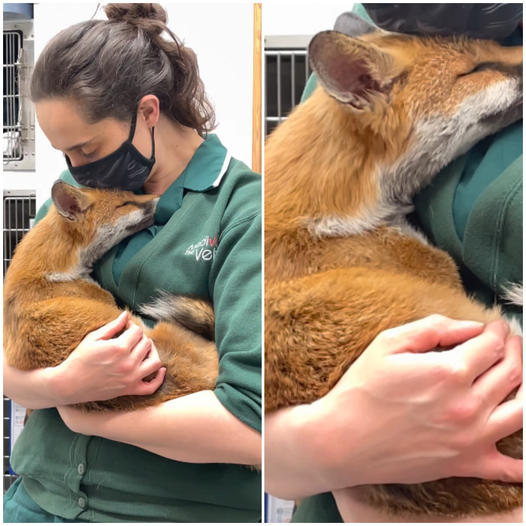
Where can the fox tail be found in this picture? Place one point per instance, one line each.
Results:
(192, 313)
(513, 293)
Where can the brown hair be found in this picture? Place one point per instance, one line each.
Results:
(110, 65)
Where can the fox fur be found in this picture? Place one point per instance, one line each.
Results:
(342, 263)
(51, 303)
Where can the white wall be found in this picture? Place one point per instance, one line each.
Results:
(288, 17)
(220, 34)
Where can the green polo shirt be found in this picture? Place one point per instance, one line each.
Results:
(205, 241)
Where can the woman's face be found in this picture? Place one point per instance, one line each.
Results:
(68, 131)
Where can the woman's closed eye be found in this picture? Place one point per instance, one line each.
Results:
(92, 155)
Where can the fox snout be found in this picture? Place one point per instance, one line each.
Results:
(147, 220)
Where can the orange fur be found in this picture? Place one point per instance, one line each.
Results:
(45, 320)
(328, 293)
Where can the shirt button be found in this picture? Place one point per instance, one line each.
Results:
(81, 469)
(82, 502)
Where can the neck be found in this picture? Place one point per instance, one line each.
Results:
(56, 248)
(174, 147)
(323, 164)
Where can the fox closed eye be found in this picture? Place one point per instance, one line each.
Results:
(483, 66)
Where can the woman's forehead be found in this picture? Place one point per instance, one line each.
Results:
(66, 128)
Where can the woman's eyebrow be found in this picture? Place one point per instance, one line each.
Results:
(74, 147)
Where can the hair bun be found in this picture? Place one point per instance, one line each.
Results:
(138, 15)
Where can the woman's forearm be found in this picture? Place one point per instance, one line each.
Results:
(292, 459)
(193, 428)
(34, 389)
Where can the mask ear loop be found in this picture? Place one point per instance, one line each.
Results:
(153, 144)
(132, 133)
(132, 128)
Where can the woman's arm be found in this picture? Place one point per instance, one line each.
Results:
(401, 415)
(34, 389)
(193, 428)
(103, 366)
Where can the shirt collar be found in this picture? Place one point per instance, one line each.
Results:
(204, 171)
(207, 166)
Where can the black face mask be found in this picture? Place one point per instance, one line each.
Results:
(124, 169)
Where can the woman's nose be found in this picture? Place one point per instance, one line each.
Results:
(75, 159)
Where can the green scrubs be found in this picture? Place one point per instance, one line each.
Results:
(205, 241)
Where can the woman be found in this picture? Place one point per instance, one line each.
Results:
(127, 108)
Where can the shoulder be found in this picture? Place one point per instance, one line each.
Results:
(241, 193)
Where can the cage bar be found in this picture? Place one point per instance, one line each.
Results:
(19, 211)
(12, 150)
(287, 71)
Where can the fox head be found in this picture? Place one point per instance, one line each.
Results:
(417, 102)
(389, 113)
(98, 219)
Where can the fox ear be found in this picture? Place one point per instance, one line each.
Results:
(69, 201)
(353, 25)
(352, 71)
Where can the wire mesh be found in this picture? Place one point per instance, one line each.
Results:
(9, 477)
(286, 73)
(19, 211)
(12, 126)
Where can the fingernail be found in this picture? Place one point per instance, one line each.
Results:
(468, 324)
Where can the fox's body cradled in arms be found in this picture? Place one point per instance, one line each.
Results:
(342, 263)
(51, 303)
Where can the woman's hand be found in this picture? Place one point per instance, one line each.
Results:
(103, 366)
(401, 415)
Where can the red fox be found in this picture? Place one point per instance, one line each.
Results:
(51, 303)
(342, 263)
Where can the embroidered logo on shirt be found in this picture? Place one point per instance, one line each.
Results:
(204, 250)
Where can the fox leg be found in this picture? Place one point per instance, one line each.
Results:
(387, 249)
(317, 325)
(46, 332)
(191, 361)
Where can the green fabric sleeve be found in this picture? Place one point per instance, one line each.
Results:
(319, 508)
(236, 278)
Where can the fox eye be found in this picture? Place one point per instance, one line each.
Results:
(480, 67)
(485, 65)
(127, 203)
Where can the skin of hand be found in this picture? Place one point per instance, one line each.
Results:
(109, 362)
(404, 415)
(193, 428)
